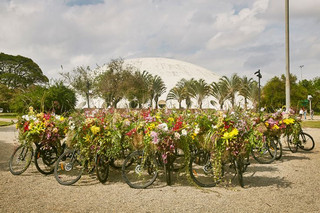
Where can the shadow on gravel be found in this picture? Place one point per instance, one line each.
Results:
(6, 150)
(262, 181)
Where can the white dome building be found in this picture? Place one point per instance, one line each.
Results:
(171, 71)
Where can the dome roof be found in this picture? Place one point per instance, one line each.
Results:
(172, 71)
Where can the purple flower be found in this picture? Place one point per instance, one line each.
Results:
(154, 136)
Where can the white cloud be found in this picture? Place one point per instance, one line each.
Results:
(223, 36)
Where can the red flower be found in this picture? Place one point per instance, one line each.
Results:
(26, 126)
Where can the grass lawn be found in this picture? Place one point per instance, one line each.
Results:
(311, 124)
(4, 123)
(8, 115)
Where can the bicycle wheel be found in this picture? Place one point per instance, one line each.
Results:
(178, 160)
(201, 169)
(168, 173)
(278, 144)
(102, 168)
(20, 159)
(68, 168)
(139, 171)
(45, 158)
(118, 161)
(306, 142)
(265, 154)
(293, 146)
(238, 165)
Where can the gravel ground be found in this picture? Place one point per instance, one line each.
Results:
(288, 185)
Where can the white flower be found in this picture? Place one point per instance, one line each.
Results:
(197, 130)
(163, 127)
(177, 135)
(184, 132)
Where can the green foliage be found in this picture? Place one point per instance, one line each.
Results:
(20, 72)
(82, 81)
(273, 93)
(60, 99)
(57, 98)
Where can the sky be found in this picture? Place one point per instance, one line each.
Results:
(226, 37)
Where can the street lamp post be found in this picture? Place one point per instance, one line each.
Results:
(88, 93)
(258, 74)
(301, 66)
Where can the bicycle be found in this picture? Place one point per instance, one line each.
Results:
(202, 172)
(140, 170)
(302, 140)
(44, 158)
(268, 152)
(71, 165)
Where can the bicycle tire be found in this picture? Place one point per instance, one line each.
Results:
(119, 160)
(178, 160)
(278, 144)
(20, 159)
(139, 173)
(102, 169)
(201, 169)
(306, 142)
(293, 147)
(239, 168)
(68, 168)
(265, 154)
(44, 160)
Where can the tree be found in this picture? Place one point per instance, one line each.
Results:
(177, 93)
(200, 91)
(6, 95)
(114, 83)
(20, 72)
(59, 98)
(82, 81)
(232, 86)
(219, 93)
(140, 87)
(245, 89)
(33, 96)
(157, 89)
(189, 91)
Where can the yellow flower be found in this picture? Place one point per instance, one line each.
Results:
(266, 123)
(61, 118)
(95, 129)
(230, 135)
(31, 109)
(288, 121)
(275, 126)
(170, 119)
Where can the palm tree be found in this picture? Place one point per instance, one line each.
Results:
(140, 87)
(244, 89)
(253, 95)
(200, 91)
(188, 89)
(219, 93)
(232, 86)
(177, 93)
(157, 88)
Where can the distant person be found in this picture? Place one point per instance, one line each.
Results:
(301, 113)
(305, 114)
(311, 114)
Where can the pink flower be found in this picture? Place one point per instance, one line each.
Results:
(154, 136)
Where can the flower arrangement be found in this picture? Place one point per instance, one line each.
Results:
(45, 129)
